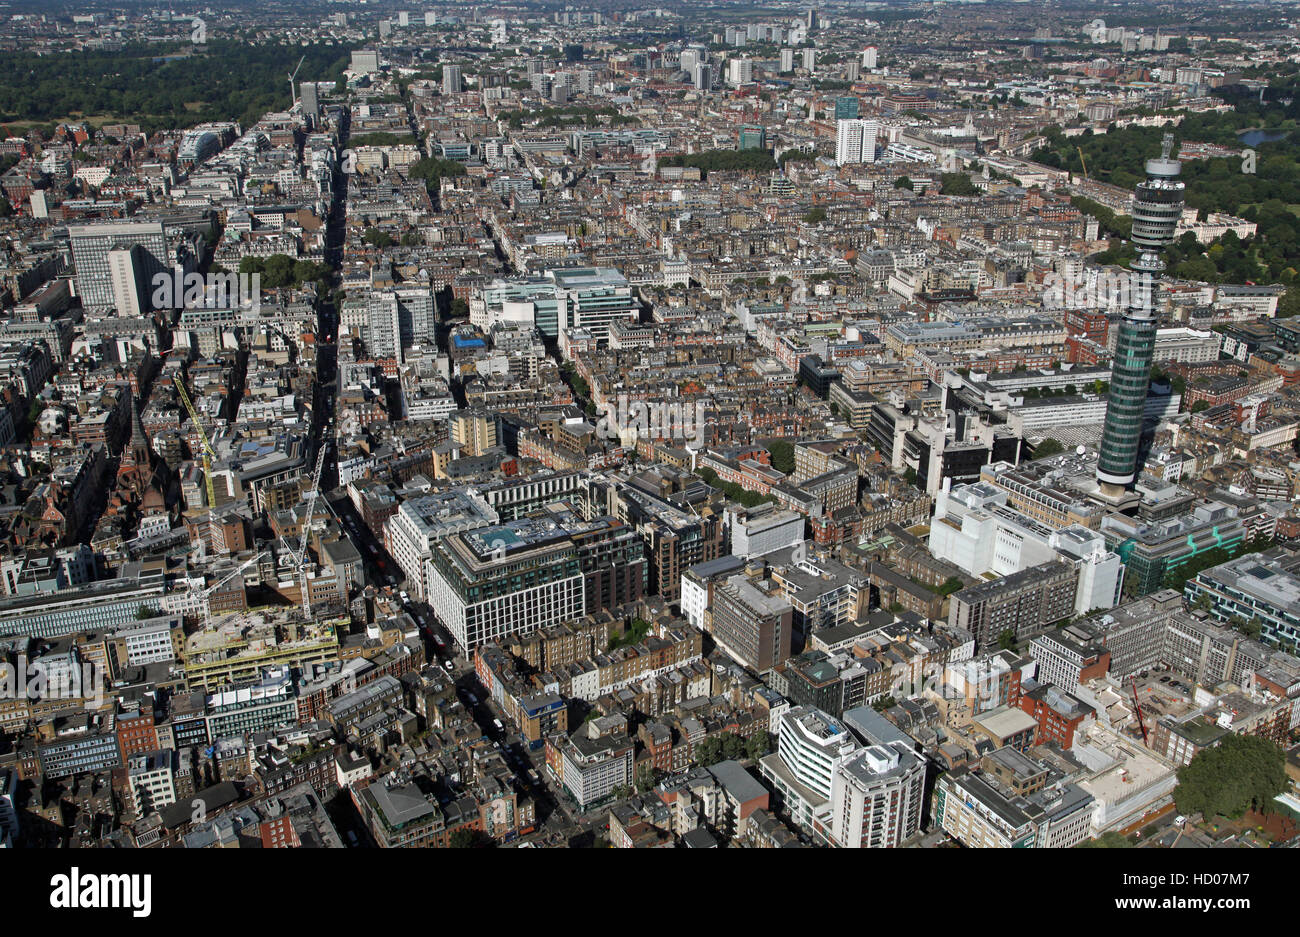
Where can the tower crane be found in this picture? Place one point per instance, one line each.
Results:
(207, 608)
(208, 453)
(1137, 708)
(300, 559)
(293, 91)
(1084, 163)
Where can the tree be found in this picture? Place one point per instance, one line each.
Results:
(957, 183)
(1241, 772)
(782, 456)
(646, 776)
(815, 215)
(1048, 446)
(1289, 304)
(723, 161)
(950, 585)
(1200, 406)
(708, 752)
(431, 171)
(758, 745)
(726, 746)
(902, 182)
(1007, 640)
(462, 839)
(1108, 840)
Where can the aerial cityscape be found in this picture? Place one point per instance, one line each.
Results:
(704, 425)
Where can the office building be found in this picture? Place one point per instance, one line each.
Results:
(452, 82)
(855, 141)
(1154, 551)
(1020, 603)
(751, 138)
(751, 623)
(397, 319)
(810, 745)
(530, 573)
(740, 72)
(365, 61)
(475, 431)
(877, 793)
(763, 529)
(978, 809)
(150, 781)
(1069, 657)
(310, 101)
(98, 249)
(975, 529)
(698, 584)
(1263, 588)
(127, 271)
(594, 762)
(253, 707)
(846, 108)
(419, 523)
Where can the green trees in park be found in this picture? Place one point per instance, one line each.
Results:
(723, 161)
(162, 85)
(957, 183)
(281, 270)
(782, 451)
(1241, 772)
(1269, 195)
(431, 171)
(728, 746)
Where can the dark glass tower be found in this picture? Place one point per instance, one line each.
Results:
(1157, 206)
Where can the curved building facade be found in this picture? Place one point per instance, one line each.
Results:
(1157, 206)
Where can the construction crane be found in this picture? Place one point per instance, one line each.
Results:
(208, 453)
(1137, 708)
(293, 91)
(300, 560)
(207, 608)
(1084, 163)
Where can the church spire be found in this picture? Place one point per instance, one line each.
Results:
(137, 448)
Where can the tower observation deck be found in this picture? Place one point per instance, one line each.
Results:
(1157, 206)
